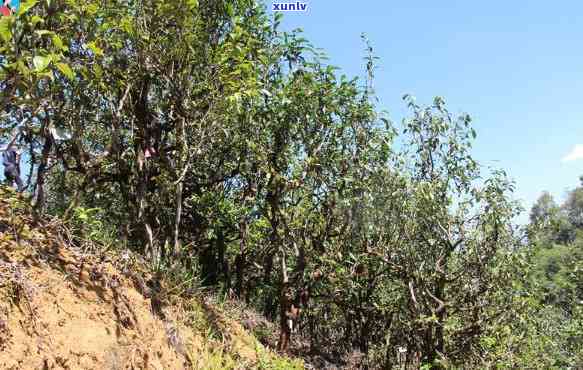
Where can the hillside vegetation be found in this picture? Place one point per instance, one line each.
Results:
(232, 160)
(64, 308)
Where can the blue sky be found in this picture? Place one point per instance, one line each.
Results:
(515, 67)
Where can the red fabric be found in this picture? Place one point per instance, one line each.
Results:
(150, 152)
(5, 11)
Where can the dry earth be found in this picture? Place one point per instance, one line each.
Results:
(64, 309)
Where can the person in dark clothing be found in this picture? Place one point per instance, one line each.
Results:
(12, 168)
(11, 163)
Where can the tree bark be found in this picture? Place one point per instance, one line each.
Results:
(179, 188)
(240, 261)
(40, 181)
(284, 307)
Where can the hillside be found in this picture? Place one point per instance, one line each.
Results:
(65, 309)
(211, 191)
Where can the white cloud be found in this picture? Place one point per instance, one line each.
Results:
(574, 154)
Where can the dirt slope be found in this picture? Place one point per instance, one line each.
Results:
(60, 309)
(63, 309)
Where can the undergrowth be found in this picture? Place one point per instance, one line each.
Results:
(220, 341)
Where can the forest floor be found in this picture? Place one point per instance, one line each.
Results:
(64, 308)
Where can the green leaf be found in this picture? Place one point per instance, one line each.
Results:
(66, 70)
(58, 42)
(230, 9)
(97, 71)
(26, 5)
(36, 19)
(192, 4)
(94, 48)
(5, 28)
(43, 32)
(92, 9)
(22, 68)
(40, 62)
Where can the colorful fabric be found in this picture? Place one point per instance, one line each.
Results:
(13, 4)
(10, 6)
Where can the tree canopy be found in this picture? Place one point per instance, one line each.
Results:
(230, 155)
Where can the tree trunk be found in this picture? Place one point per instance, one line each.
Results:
(208, 261)
(240, 261)
(177, 220)
(179, 167)
(270, 307)
(223, 263)
(40, 181)
(285, 323)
